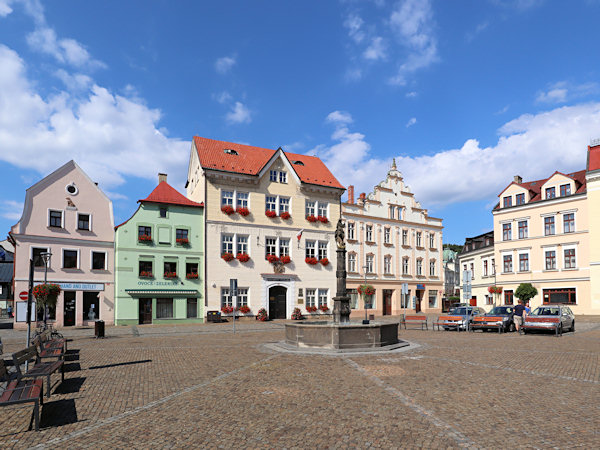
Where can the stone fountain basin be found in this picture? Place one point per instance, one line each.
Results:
(347, 336)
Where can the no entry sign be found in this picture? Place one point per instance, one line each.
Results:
(23, 295)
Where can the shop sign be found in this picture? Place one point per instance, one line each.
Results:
(157, 283)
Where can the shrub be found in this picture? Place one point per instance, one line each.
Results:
(297, 314)
(262, 315)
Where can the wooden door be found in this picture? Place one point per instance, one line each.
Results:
(69, 308)
(418, 302)
(387, 303)
(145, 311)
(277, 302)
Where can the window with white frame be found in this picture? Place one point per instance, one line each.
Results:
(369, 263)
(353, 294)
(322, 209)
(283, 177)
(227, 243)
(273, 176)
(570, 261)
(310, 208)
(432, 268)
(351, 262)
(226, 299)
(227, 198)
(523, 262)
(565, 189)
(84, 221)
(98, 260)
(405, 266)
(242, 297)
(507, 263)
(399, 211)
(493, 264)
(284, 247)
(369, 233)
(70, 259)
(404, 237)
(322, 247)
(387, 264)
(419, 267)
(271, 203)
(351, 230)
(551, 192)
(472, 266)
(323, 294)
(485, 268)
(392, 212)
(55, 218)
(549, 226)
(284, 204)
(569, 222)
(431, 240)
(523, 229)
(506, 231)
(386, 235)
(241, 199)
(241, 244)
(311, 297)
(550, 258)
(36, 256)
(419, 234)
(270, 246)
(310, 249)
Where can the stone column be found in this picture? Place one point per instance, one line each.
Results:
(341, 302)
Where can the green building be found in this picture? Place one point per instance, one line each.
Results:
(159, 254)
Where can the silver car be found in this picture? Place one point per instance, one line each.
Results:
(463, 316)
(558, 318)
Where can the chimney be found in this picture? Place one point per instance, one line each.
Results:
(361, 199)
(518, 179)
(162, 177)
(350, 194)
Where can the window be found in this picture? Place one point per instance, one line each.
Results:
(493, 266)
(472, 270)
(507, 201)
(271, 203)
(369, 263)
(419, 239)
(310, 249)
(322, 250)
(144, 231)
(98, 260)
(145, 268)
(91, 305)
(181, 233)
(485, 268)
(523, 262)
(369, 233)
(404, 237)
(162, 212)
(226, 299)
(83, 222)
(419, 267)
(241, 200)
(70, 259)
(191, 269)
(564, 296)
(273, 176)
(170, 267)
(284, 247)
(549, 226)
(489, 300)
(36, 255)
(351, 262)
(241, 244)
(310, 208)
(55, 219)
(227, 198)
(431, 240)
(311, 295)
(551, 192)
(392, 212)
(270, 246)
(565, 189)
(284, 204)
(386, 235)
(522, 229)
(507, 263)
(323, 296)
(353, 294)
(432, 268)
(569, 222)
(283, 177)
(164, 308)
(432, 299)
(550, 259)
(227, 243)
(506, 231)
(570, 262)
(520, 199)
(387, 264)
(242, 297)
(508, 297)
(322, 209)
(192, 308)
(405, 266)
(350, 230)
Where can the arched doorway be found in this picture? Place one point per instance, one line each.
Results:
(277, 302)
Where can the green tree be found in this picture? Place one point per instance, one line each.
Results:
(525, 292)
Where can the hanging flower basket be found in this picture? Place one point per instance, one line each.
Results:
(270, 213)
(243, 257)
(285, 215)
(311, 261)
(322, 219)
(145, 274)
(297, 314)
(262, 315)
(242, 211)
(244, 309)
(286, 259)
(311, 218)
(366, 289)
(227, 209)
(324, 261)
(495, 289)
(170, 275)
(144, 238)
(272, 258)
(226, 309)
(182, 241)
(324, 308)
(46, 294)
(191, 276)
(311, 309)
(227, 256)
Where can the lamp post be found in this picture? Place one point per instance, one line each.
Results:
(46, 256)
(366, 321)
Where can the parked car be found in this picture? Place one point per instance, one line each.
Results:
(506, 314)
(466, 313)
(534, 321)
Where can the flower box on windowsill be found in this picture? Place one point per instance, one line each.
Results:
(311, 261)
(370, 242)
(243, 257)
(182, 241)
(227, 209)
(286, 259)
(324, 261)
(227, 256)
(191, 276)
(144, 274)
(270, 213)
(311, 219)
(388, 244)
(244, 309)
(285, 215)
(322, 219)
(242, 211)
(311, 309)
(170, 274)
(324, 308)
(226, 309)
(144, 238)
(272, 258)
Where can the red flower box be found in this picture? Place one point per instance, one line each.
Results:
(227, 209)
(311, 261)
(324, 308)
(226, 309)
(324, 261)
(227, 256)
(311, 309)
(272, 258)
(285, 215)
(170, 275)
(243, 257)
(182, 241)
(144, 238)
(191, 276)
(495, 289)
(242, 211)
(322, 219)
(270, 213)
(366, 289)
(311, 218)
(245, 309)
(286, 259)
(144, 274)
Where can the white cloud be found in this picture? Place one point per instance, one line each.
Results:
(5, 8)
(239, 114)
(478, 29)
(563, 91)
(11, 209)
(411, 94)
(224, 64)
(411, 122)
(354, 25)
(502, 110)
(339, 117)
(222, 97)
(376, 50)
(76, 81)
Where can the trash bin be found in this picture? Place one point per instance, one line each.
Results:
(213, 316)
(99, 328)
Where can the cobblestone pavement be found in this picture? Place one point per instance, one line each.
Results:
(203, 386)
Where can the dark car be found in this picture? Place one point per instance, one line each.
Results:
(498, 316)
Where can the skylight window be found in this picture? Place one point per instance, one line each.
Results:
(298, 163)
(230, 151)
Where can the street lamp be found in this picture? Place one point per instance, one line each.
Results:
(366, 321)
(46, 256)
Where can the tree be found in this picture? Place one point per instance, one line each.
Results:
(525, 292)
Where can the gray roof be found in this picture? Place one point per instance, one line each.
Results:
(6, 272)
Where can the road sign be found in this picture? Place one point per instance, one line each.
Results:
(233, 285)
(404, 288)
(23, 295)
(467, 276)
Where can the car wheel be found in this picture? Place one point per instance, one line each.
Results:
(573, 327)
(560, 329)
(511, 327)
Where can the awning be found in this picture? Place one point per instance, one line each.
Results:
(163, 292)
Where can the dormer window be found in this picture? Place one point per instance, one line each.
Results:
(551, 192)
(565, 189)
(520, 199)
(298, 163)
(507, 201)
(229, 151)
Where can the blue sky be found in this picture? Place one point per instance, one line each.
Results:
(465, 94)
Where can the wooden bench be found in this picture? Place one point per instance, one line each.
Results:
(48, 341)
(48, 351)
(553, 321)
(416, 320)
(449, 321)
(480, 322)
(40, 369)
(19, 391)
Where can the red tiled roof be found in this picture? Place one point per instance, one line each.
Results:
(164, 193)
(593, 158)
(251, 160)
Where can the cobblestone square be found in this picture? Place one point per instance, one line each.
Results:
(203, 386)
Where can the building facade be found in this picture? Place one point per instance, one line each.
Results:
(159, 254)
(477, 258)
(592, 177)
(270, 218)
(392, 240)
(6, 278)
(67, 215)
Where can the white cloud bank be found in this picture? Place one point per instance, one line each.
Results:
(224, 64)
(533, 146)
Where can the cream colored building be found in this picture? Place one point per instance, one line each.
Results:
(542, 236)
(477, 257)
(392, 240)
(226, 175)
(593, 195)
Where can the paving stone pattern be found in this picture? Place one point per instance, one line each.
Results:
(203, 386)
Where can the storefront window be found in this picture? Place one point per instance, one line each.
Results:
(91, 306)
(432, 299)
(192, 308)
(563, 296)
(164, 308)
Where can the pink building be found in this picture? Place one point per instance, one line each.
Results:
(67, 215)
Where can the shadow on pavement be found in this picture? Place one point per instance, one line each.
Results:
(58, 413)
(70, 386)
(121, 364)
